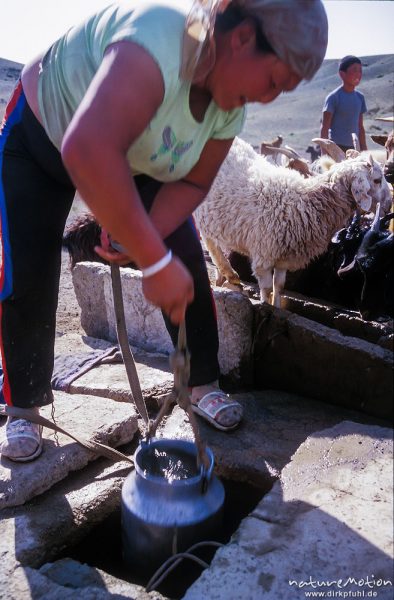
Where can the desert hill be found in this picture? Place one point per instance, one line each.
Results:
(9, 73)
(296, 116)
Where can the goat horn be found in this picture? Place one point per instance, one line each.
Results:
(347, 269)
(295, 154)
(330, 148)
(376, 221)
(284, 151)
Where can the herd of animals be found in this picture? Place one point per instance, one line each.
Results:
(327, 220)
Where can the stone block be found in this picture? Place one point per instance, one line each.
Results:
(145, 325)
(108, 379)
(326, 525)
(39, 531)
(301, 356)
(92, 418)
(89, 286)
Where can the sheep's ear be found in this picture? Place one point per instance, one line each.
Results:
(379, 139)
(371, 161)
(360, 190)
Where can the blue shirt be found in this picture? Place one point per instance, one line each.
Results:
(346, 108)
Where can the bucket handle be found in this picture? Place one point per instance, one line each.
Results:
(206, 475)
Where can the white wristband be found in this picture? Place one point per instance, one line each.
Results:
(158, 266)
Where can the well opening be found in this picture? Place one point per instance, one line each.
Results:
(102, 547)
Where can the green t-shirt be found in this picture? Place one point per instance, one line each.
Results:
(172, 142)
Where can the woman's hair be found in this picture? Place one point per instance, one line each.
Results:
(233, 16)
(296, 31)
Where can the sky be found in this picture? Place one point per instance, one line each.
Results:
(360, 27)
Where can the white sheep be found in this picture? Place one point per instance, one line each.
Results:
(277, 217)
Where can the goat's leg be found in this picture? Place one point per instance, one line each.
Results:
(279, 284)
(264, 279)
(225, 270)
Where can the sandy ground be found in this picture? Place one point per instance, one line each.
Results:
(68, 319)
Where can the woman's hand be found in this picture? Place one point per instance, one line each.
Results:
(108, 253)
(113, 256)
(171, 290)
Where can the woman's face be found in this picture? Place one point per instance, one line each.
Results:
(243, 74)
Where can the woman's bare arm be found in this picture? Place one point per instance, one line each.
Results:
(123, 97)
(176, 201)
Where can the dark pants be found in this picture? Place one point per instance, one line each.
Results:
(36, 194)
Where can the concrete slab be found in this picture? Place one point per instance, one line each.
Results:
(93, 418)
(326, 526)
(39, 531)
(145, 325)
(275, 424)
(110, 381)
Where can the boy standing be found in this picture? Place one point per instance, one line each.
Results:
(344, 107)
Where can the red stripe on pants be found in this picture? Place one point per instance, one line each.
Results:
(6, 385)
(12, 103)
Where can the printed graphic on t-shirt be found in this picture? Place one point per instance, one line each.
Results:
(170, 143)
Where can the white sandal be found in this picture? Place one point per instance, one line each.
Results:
(216, 404)
(23, 440)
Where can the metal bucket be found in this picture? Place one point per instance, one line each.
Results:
(163, 514)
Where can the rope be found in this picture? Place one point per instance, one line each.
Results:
(30, 415)
(54, 421)
(171, 563)
(123, 340)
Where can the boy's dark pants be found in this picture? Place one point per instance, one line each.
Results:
(35, 198)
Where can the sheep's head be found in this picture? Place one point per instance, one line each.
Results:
(366, 182)
(389, 166)
(370, 187)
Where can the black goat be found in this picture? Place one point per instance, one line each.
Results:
(80, 238)
(374, 261)
(314, 151)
